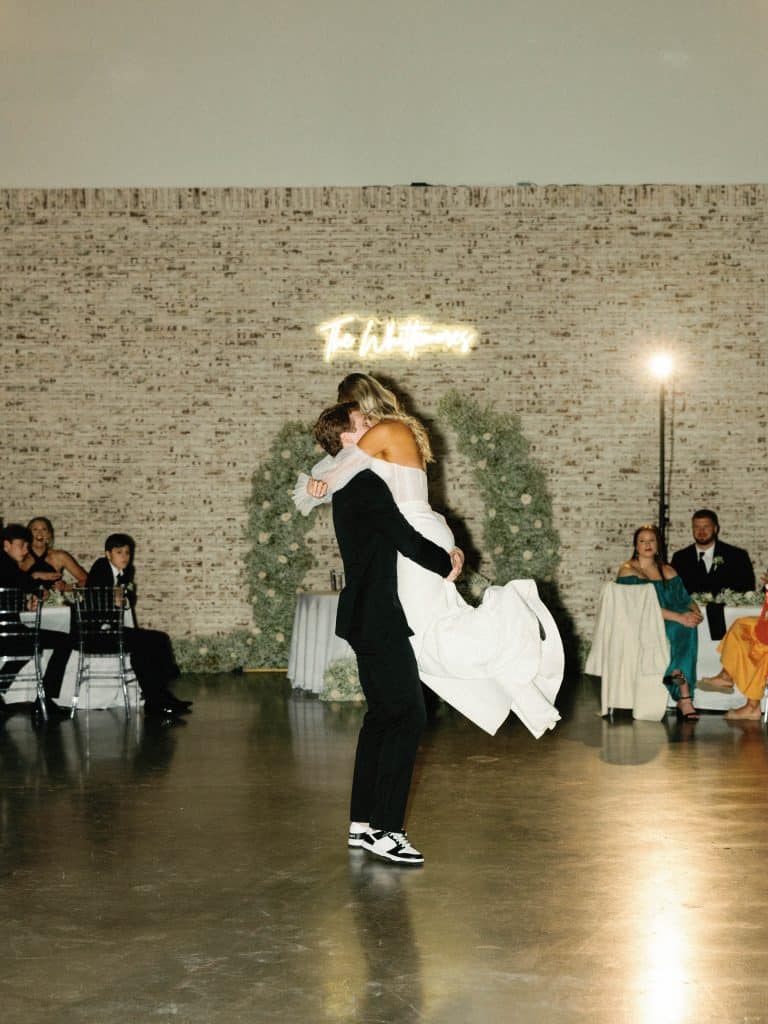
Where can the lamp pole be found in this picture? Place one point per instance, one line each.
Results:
(663, 519)
(661, 368)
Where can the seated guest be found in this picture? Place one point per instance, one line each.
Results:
(47, 564)
(151, 652)
(16, 541)
(680, 614)
(744, 661)
(708, 566)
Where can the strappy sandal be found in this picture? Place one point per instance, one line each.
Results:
(686, 716)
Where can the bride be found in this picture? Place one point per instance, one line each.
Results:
(506, 655)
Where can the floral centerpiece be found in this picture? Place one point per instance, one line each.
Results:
(734, 598)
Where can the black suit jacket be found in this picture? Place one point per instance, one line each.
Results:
(733, 572)
(370, 531)
(101, 575)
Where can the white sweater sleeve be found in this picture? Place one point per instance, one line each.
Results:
(336, 471)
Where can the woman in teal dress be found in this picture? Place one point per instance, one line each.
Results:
(679, 611)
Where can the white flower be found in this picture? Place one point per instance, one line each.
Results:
(264, 537)
(282, 559)
(266, 504)
(527, 556)
(270, 592)
(248, 641)
(267, 474)
(262, 574)
(525, 499)
(285, 454)
(486, 437)
(514, 528)
(280, 637)
(498, 550)
(492, 447)
(256, 630)
(286, 517)
(473, 439)
(537, 524)
(202, 650)
(482, 463)
(293, 547)
(335, 694)
(491, 513)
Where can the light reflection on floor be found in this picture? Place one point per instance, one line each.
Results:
(200, 873)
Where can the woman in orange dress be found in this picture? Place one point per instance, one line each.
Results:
(745, 662)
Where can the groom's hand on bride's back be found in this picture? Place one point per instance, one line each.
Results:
(457, 561)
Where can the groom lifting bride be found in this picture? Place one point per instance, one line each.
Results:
(503, 655)
(370, 532)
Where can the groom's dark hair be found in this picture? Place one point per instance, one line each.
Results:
(331, 424)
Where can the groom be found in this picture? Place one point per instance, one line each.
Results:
(370, 531)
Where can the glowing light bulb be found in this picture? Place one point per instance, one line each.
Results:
(662, 366)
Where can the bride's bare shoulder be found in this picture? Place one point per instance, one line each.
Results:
(388, 436)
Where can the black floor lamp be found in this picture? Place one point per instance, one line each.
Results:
(661, 367)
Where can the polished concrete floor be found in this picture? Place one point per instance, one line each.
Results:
(609, 872)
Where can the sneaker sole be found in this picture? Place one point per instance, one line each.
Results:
(415, 861)
(354, 844)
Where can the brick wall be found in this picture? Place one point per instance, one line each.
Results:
(154, 340)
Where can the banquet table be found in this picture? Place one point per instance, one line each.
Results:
(708, 662)
(314, 644)
(102, 694)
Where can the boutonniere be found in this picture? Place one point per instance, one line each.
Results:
(718, 561)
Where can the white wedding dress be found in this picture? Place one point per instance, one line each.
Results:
(484, 661)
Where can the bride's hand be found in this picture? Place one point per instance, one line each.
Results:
(317, 488)
(457, 561)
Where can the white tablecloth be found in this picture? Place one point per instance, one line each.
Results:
(708, 663)
(314, 643)
(102, 694)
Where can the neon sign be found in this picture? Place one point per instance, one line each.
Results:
(371, 337)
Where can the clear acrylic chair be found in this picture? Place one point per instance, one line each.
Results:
(103, 658)
(19, 641)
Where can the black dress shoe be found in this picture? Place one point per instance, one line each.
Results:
(169, 700)
(53, 713)
(159, 709)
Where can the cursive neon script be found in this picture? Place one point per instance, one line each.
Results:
(373, 337)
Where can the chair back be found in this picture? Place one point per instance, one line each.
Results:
(17, 636)
(99, 619)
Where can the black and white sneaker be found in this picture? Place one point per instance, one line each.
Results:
(357, 830)
(391, 846)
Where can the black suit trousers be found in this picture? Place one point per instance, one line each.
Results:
(152, 659)
(389, 737)
(60, 646)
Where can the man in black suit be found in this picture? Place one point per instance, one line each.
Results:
(151, 653)
(370, 531)
(708, 566)
(16, 543)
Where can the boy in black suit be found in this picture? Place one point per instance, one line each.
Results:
(16, 543)
(151, 652)
(370, 531)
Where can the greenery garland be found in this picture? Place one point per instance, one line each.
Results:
(518, 530)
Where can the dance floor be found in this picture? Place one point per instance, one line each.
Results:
(609, 872)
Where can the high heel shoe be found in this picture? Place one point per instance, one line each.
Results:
(686, 716)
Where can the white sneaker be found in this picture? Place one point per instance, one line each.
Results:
(391, 846)
(357, 830)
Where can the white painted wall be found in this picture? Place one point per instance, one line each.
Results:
(128, 92)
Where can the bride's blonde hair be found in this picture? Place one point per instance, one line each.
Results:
(379, 403)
